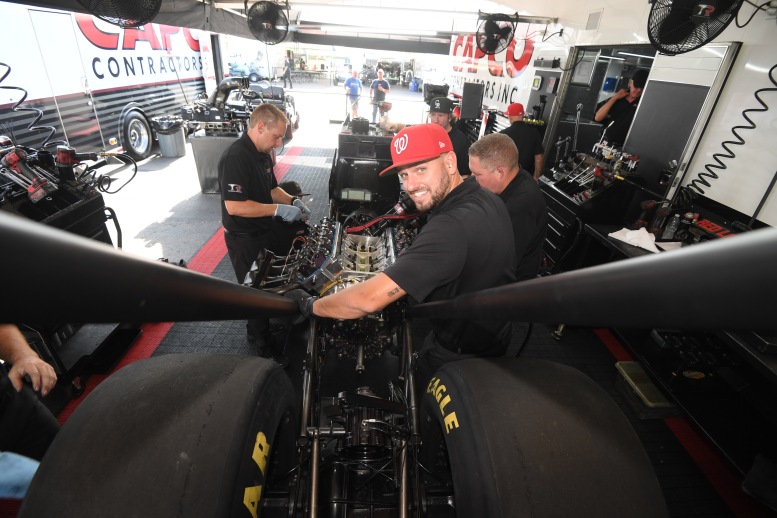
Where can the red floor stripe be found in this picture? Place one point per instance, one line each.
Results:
(210, 255)
(613, 345)
(152, 334)
(715, 468)
(286, 161)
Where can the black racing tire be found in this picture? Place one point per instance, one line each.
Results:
(528, 437)
(172, 436)
(137, 139)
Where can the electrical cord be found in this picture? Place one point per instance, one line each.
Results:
(103, 182)
(757, 8)
(717, 157)
(582, 55)
(38, 113)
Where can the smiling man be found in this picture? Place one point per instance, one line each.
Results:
(465, 246)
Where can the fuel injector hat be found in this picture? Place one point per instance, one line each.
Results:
(418, 143)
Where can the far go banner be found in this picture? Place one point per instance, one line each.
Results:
(503, 74)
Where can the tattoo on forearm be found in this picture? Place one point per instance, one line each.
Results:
(393, 292)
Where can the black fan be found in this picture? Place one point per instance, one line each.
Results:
(495, 32)
(677, 26)
(268, 23)
(124, 14)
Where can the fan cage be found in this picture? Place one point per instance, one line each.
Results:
(268, 22)
(485, 39)
(674, 26)
(125, 14)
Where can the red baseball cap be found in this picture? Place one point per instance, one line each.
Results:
(417, 144)
(514, 110)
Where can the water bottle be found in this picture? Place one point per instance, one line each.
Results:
(671, 228)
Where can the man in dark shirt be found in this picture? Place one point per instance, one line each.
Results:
(527, 139)
(378, 90)
(465, 246)
(250, 198)
(494, 163)
(441, 113)
(617, 112)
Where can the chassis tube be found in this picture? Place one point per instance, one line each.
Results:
(307, 380)
(315, 453)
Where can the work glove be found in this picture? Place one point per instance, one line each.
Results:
(288, 213)
(303, 208)
(304, 303)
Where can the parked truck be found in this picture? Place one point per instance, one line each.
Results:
(75, 78)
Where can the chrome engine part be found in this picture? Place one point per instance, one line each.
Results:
(331, 259)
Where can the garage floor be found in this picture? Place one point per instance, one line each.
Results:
(163, 214)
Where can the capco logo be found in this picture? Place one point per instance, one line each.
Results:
(400, 144)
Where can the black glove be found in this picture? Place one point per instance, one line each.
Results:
(303, 300)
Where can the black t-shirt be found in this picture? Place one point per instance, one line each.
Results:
(466, 246)
(622, 113)
(461, 146)
(245, 174)
(529, 216)
(377, 95)
(528, 141)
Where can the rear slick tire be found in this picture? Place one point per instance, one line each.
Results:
(177, 435)
(528, 437)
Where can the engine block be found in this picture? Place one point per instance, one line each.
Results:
(331, 260)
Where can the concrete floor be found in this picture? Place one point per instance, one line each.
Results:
(162, 212)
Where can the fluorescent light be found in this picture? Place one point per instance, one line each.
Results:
(635, 55)
(376, 30)
(612, 58)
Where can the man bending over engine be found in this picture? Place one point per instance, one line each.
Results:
(252, 204)
(466, 246)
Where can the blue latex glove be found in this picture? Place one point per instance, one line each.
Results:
(301, 206)
(288, 213)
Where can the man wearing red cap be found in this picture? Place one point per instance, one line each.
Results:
(527, 139)
(465, 246)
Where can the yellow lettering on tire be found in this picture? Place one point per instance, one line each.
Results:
(251, 497)
(451, 422)
(261, 451)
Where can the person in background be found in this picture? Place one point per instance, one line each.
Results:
(378, 90)
(617, 112)
(353, 88)
(494, 163)
(441, 113)
(27, 427)
(465, 246)
(251, 198)
(527, 139)
(287, 72)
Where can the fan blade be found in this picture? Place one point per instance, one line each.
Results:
(729, 284)
(53, 276)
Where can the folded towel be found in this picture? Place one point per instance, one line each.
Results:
(641, 238)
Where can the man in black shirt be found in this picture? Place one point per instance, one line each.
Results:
(441, 113)
(465, 246)
(527, 139)
(494, 163)
(617, 112)
(250, 198)
(378, 90)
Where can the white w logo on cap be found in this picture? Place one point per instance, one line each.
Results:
(400, 144)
